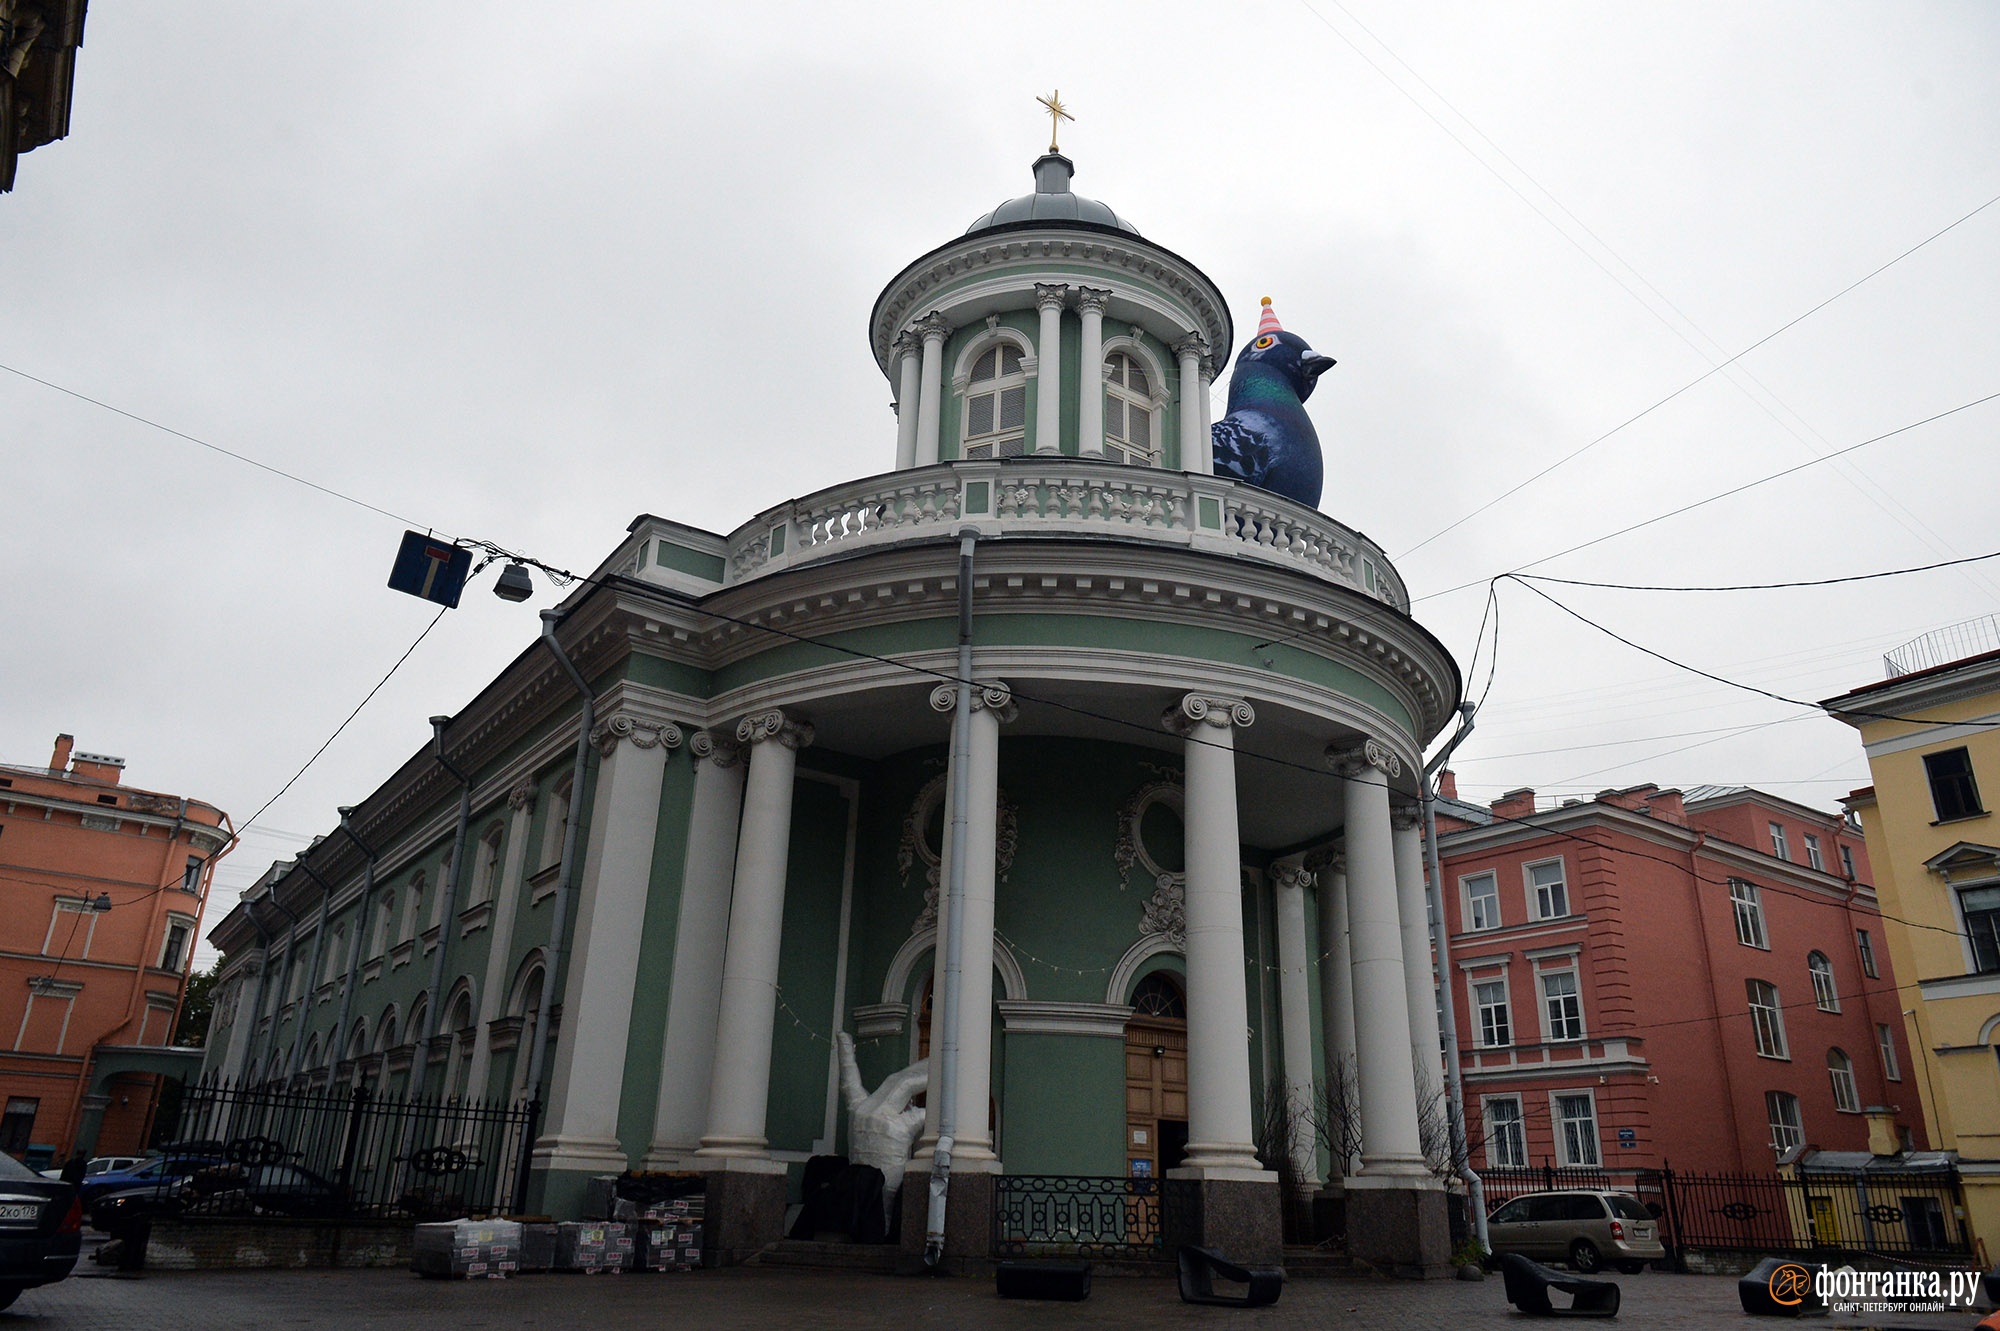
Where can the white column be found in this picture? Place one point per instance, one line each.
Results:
(581, 1130)
(930, 396)
(1049, 297)
(992, 704)
(741, 1087)
(1336, 996)
(1425, 1060)
(1295, 1012)
(909, 358)
(1090, 303)
(500, 955)
(1392, 1146)
(1219, 1119)
(687, 1055)
(1196, 455)
(245, 999)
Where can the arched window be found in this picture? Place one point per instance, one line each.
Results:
(336, 950)
(413, 905)
(458, 1025)
(385, 913)
(996, 404)
(556, 826)
(1128, 412)
(1825, 996)
(486, 867)
(1159, 996)
(1840, 1068)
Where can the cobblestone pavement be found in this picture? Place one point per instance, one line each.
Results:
(765, 1299)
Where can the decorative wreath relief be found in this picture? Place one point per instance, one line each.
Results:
(1155, 845)
(917, 844)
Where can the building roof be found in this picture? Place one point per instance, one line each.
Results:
(1052, 203)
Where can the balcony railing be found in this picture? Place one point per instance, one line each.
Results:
(1061, 496)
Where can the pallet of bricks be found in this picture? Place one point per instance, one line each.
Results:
(665, 1211)
(464, 1249)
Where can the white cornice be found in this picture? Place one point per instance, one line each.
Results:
(1035, 1017)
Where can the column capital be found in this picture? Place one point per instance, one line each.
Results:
(720, 750)
(1404, 817)
(793, 733)
(1092, 300)
(1207, 368)
(987, 695)
(1051, 295)
(932, 327)
(1194, 346)
(1350, 762)
(1331, 863)
(522, 797)
(1295, 876)
(644, 734)
(907, 343)
(1197, 709)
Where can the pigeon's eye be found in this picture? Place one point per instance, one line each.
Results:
(1265, 341)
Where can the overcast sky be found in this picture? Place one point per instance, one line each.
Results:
(522, 273)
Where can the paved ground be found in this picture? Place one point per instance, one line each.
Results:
(763, 1300)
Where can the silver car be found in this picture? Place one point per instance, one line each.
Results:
(1589, 1230)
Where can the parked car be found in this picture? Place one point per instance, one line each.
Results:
(103, 1164)
(156, 1173)
(1585, 1229)
(41, 1229)
(223, 1189)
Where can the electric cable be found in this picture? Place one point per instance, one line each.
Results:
(1756, 586)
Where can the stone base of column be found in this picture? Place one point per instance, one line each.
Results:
(745, 1214)
(968, 1218)
(670, 1157)
(1400, 1226)
(561, 1169)
(1239, 1217)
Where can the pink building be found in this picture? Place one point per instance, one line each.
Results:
(1644, 978)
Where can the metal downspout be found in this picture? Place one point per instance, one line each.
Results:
(954, 940)
(1461, 1151)
(360, 927)
(559, 912)
(432, 996)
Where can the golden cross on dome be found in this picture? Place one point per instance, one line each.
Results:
(1057, 114)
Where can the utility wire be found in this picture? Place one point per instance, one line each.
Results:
(1756, 586)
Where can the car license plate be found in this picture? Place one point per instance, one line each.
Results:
(1642, 1231)
(16, 1212)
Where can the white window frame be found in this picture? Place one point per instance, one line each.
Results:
(385, 925)
(413, 909)
(1813, 856)
(486, 866)
(1537, 893)
(998, 442)
(1574, 1000)
(1847, 861)
(1781, 1115)
(1826, 994)
(1864, 947)
(1137, 453)
(1780, 846)
(1561, 1125)
(1885, 1045)
(555, 824)
(1479, 1010)
(1467, 897)
(62, 932)
(1746, 902)
(1509, 1136)
(1767, 1020)
(1840, 1071)
(187, 925)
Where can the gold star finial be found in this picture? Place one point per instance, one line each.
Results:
(1057, 114)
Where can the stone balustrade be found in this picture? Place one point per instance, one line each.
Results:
(1063, 496)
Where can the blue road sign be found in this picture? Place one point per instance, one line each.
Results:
(430, 568)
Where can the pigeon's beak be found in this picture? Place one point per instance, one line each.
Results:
(1315, 364)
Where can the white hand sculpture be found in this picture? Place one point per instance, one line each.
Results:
(881, 1127)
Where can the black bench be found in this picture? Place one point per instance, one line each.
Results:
(1781, 1287)
(1068, 1281)
(1529, 1283)
(1200, 1266)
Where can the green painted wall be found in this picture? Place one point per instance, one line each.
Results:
(1064, 1101)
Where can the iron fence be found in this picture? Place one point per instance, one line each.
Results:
(336, 1152)
(1045, 1215)
(1896, 1213)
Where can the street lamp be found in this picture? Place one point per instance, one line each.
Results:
(514, 583)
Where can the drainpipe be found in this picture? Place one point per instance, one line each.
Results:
(318, 962)
(559, 912)
(360, 928)
(445, 921)
(954, 942)
(1454, 1075)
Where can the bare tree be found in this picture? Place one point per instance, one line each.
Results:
(1285, 1142)
(1336, 1115)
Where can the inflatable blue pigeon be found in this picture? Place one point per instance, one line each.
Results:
(1267, 439)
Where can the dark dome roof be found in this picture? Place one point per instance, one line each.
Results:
(1052, 203)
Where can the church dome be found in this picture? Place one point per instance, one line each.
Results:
(1052, 203)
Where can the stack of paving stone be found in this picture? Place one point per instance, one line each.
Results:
(466, 1248)
(595, 1246)
(673, 1234)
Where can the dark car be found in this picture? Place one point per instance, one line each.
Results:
(159, 1173)
(41, 1229)
(277, 1189)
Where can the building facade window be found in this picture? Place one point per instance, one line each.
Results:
(174, 948)
(1813, 857)
(1548, 891)
(1981, 907)
(191, 876)
(1506, 1138)
(486, 867)
(1847, 862)
(1865, 945)
(556, 828)
(1482, 901)
(1129, 418)
(1885, 1041)
(1954, 794)
(1495, 1023)
(17, 1124)
(1840, 1068)
(996, 404)
(385, 914)
(1748, 904)
(1779, 846)
(1787, 1131)
(1562, 1006)
(1767, 1018)
(1825, 997)
(413, 910)
(1576, 1129)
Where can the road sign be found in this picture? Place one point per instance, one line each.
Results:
(430, 568)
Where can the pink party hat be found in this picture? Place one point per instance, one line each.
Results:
(1267, 322)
